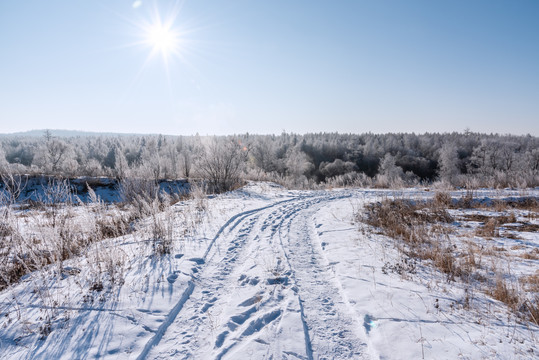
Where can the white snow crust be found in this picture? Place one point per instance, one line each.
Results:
(268, 274)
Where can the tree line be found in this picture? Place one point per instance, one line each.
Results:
(384, 160)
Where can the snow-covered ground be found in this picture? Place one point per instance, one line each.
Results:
(268, 274)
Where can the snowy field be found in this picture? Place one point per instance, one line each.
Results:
(267, 273)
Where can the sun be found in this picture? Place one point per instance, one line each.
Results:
(161, 32)
(163, 39)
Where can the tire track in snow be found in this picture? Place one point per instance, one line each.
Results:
(331, 331)
(210, 284)
(168, 321)
(175, 311)
(342, 339)
(328, 330)
(270, 222)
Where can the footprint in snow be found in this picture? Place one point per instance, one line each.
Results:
(280, 280)
(209, 304)
(258, 324)
(245, 280)
(221, 339)
(241, 318)
(368, 323)
(206, 307)
(198, 261)
(251, 301)
(172, 278)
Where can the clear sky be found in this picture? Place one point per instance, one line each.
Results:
(235, 66)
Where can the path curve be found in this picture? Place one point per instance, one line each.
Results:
(264, 289)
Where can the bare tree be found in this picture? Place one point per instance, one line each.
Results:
(448, 164)
(3, 162)
(189, 149)
(221, 163)
(54, 152)
(121, 167)
(151, 159)
(11, 188)
(389, 174)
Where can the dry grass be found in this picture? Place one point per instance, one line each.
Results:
(531, 282)
(52, 232)
(511, 235)
(530, 305)
(443, 258)
(468, 201)
(504, 291)
(420, 226)
(424, 229)
(489, 229)
(442, 199)
(525, 227)
(406, 220)
(531, 255)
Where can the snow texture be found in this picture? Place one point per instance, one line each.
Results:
(269, 274)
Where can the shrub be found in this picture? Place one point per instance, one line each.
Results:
(222, 163)
(442, 199)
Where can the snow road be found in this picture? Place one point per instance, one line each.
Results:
(264, 289)
(268, 274)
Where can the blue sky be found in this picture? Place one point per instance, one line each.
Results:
(268, 66)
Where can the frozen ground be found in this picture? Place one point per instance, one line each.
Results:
(268, 274)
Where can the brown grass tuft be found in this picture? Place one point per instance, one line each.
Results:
(422, 228)
(489, 229)
(530, 282)
(531, 255)
(505, 293)
(442, 199)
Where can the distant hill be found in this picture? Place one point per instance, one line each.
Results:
(65, 133)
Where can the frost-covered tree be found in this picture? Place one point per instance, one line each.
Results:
(121, 167)
(3, 161)
(221, 163)
(151, 159)
(448, 163)
(389, 174)
(298, 164)
(92, 168)
(490, 160)
(532, 161)
(337, 167)
(52, 153)
(189, 148)
(264, 155)
(507, 155)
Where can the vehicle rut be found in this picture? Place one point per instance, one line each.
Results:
(296, 281)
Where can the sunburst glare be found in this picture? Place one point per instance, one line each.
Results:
(163, 39)
(163, 36)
